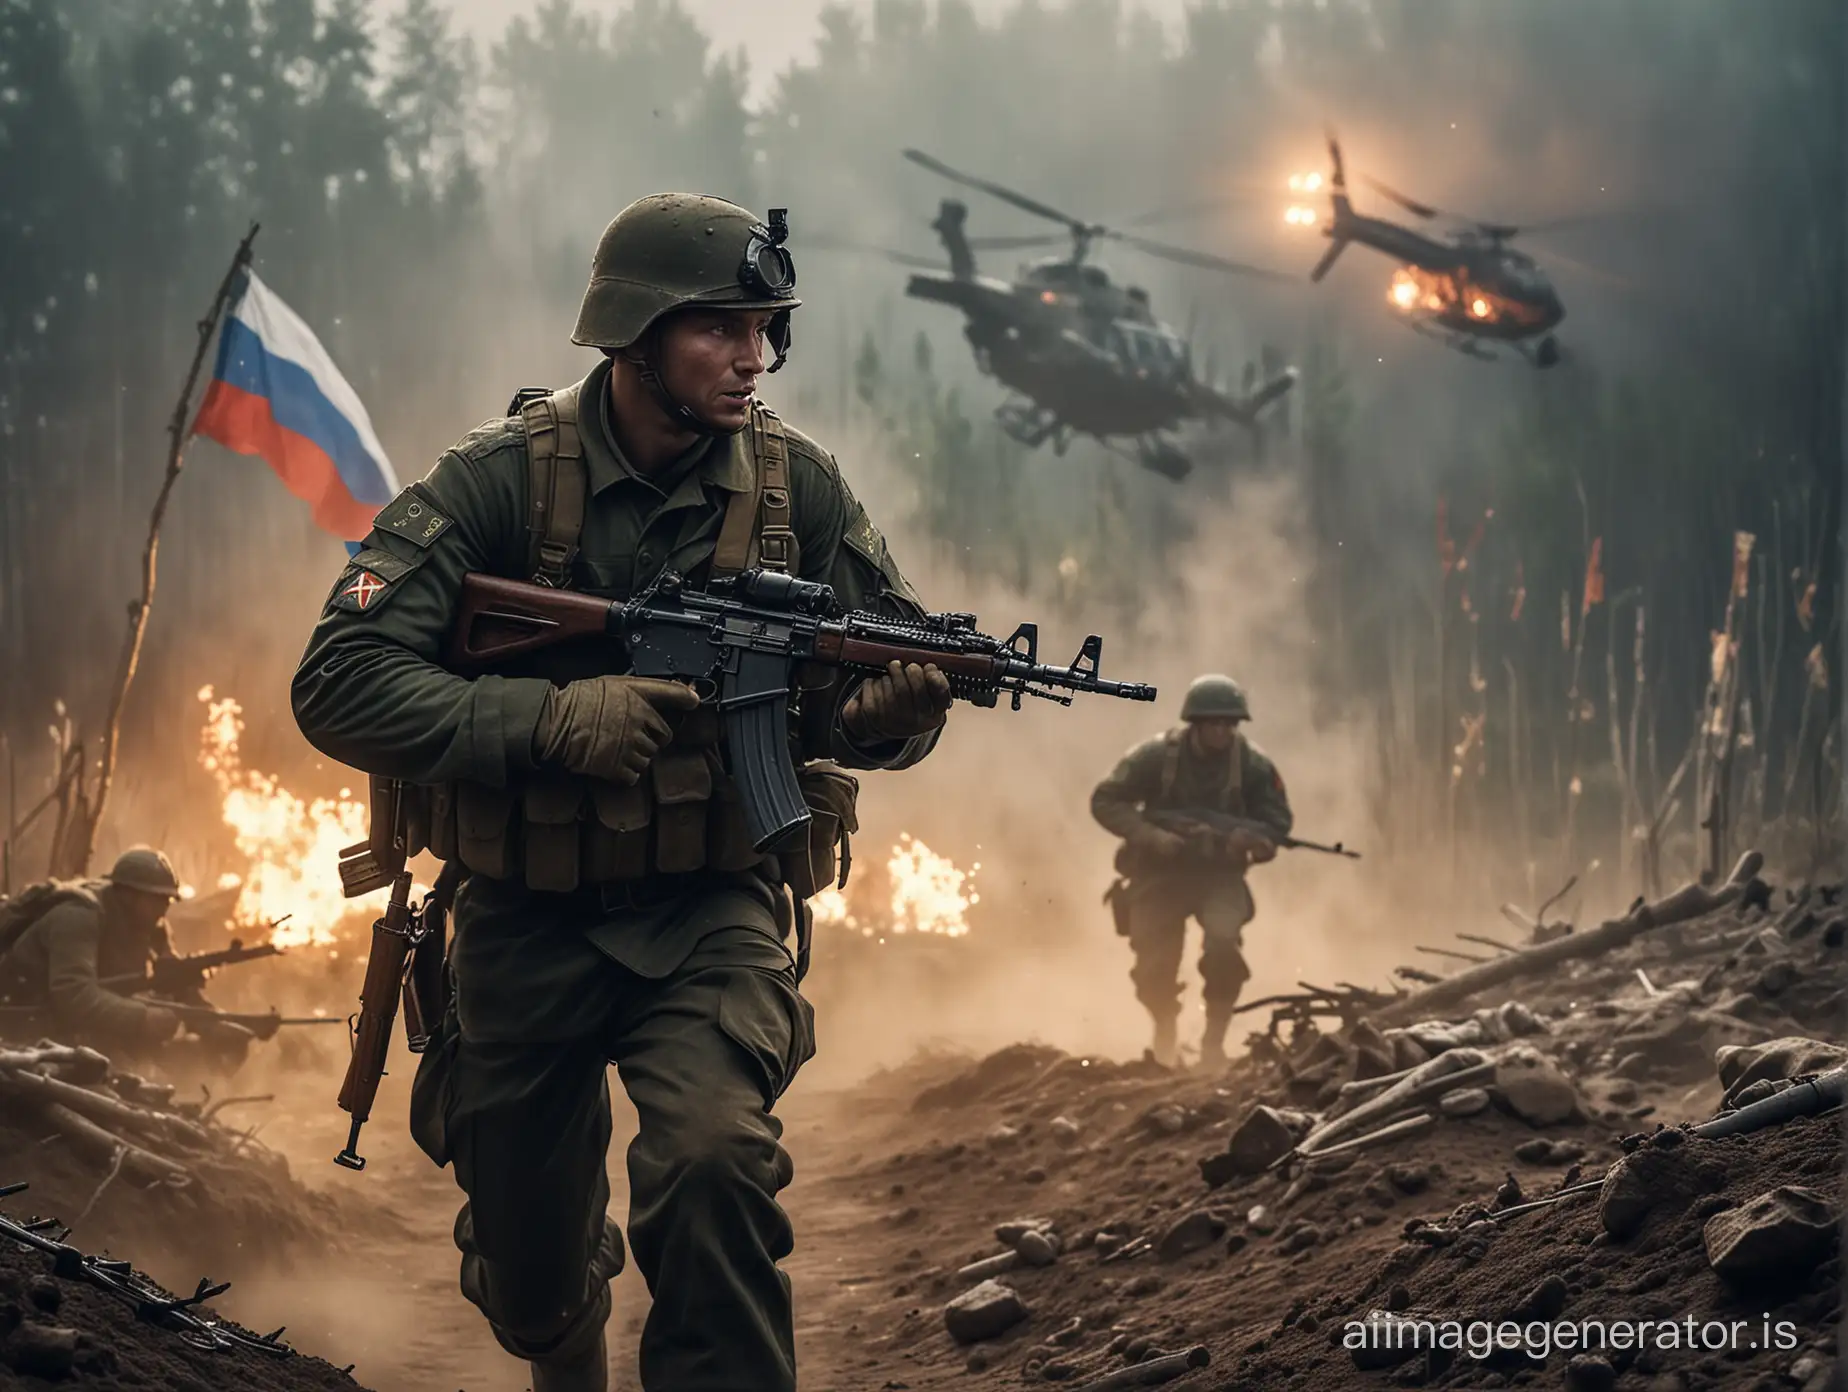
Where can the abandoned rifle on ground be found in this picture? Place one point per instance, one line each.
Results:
(1216, 834)
(743, 643)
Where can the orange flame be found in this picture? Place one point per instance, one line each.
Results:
(930, 895)
(292, 845)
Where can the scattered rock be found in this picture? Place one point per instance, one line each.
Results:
(1264, 1136)
(1779, 1236)
(1037, 1248)
(1776, 978)
(1543, 1151)
(1545, 1301)
(1651, 1178)
(42, 1350)
(1301, 1239)
(1002, 1136)
(1261, 1221)
(46, 1294)
(1166, 1120)
(1464, 1102)
(1236, 1243)
(1409, 1179)
(1788, 1057)
(1063, 1130)
(1035, 1174)
(1194, 1232)
(1590, 1373)
(1008, 1234)
(1534, 1090)
(1390, 1340)
(984, 1312)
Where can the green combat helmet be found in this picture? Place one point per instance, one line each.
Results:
(677, 250)
(145, 869)
(1215, 697)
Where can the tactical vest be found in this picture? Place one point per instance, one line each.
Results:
(1230, 796)
(685, 814)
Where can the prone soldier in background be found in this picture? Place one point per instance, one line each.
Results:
(615, 908)
(74, 952)
(1205, 765)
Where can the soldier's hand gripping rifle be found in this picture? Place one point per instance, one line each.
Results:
(406, 960)
(740, 644)
(183, 978)
(1218, 833)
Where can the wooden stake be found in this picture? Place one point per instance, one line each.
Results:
(177, 435)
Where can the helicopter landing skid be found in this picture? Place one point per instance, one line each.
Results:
(1462, 343)
(1032, 425)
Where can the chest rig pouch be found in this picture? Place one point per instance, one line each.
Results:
(1228, 797)
(557, 831)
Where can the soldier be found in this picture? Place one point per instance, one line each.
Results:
(1206, 763)
(611, 914)
(83, 934)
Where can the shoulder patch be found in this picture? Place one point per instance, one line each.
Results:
(367, 581)
(412, 518)
(864, 538)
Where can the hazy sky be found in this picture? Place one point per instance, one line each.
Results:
(773, 32)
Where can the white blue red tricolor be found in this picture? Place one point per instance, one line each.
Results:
(276, 394)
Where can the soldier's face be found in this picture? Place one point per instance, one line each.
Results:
(710, 360)
(1214, 735)
(144, 910)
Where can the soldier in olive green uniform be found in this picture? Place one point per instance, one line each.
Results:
(87, 933)
(615, 910)
(1207, 763)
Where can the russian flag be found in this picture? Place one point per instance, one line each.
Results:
(277, 395)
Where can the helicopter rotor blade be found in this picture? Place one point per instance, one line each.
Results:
(1411, 205)
(1201, 259)
(1010, 243)
(1006, 195)
(1181, 211)
(902, 258)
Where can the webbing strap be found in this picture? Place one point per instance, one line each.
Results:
(560, 484)
(756, 529)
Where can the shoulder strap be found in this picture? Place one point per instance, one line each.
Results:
(1171, 764)
(558, 484)
(776, 539)
(756, 529)
(1233, 793)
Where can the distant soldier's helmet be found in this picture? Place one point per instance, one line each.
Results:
(678, 250)
(1215, 697)
(147, 870)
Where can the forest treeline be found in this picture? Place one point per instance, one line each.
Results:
(1521, 574)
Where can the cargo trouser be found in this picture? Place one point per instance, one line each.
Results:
(1158, 914)
(513, 1092)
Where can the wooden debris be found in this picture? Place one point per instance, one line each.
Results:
(1447, 952)
(1691, 901)
(137, 1163)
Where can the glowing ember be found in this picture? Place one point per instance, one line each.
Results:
(1479, 307)
(293, 845)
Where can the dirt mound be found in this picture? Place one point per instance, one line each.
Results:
(1068, 1219)
(58, 1328)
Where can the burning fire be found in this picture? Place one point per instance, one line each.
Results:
(930, 894)
(293, 845)
(1413, 288)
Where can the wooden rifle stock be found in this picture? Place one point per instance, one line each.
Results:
(378, 1010)
(498, 619)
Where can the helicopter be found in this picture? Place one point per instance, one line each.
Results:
(1081, 353)
(1469, 291)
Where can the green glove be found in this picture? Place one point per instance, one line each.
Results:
(608, 727)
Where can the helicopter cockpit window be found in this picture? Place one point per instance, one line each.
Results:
(1149, 353)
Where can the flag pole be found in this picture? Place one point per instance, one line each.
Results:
(178, 433)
